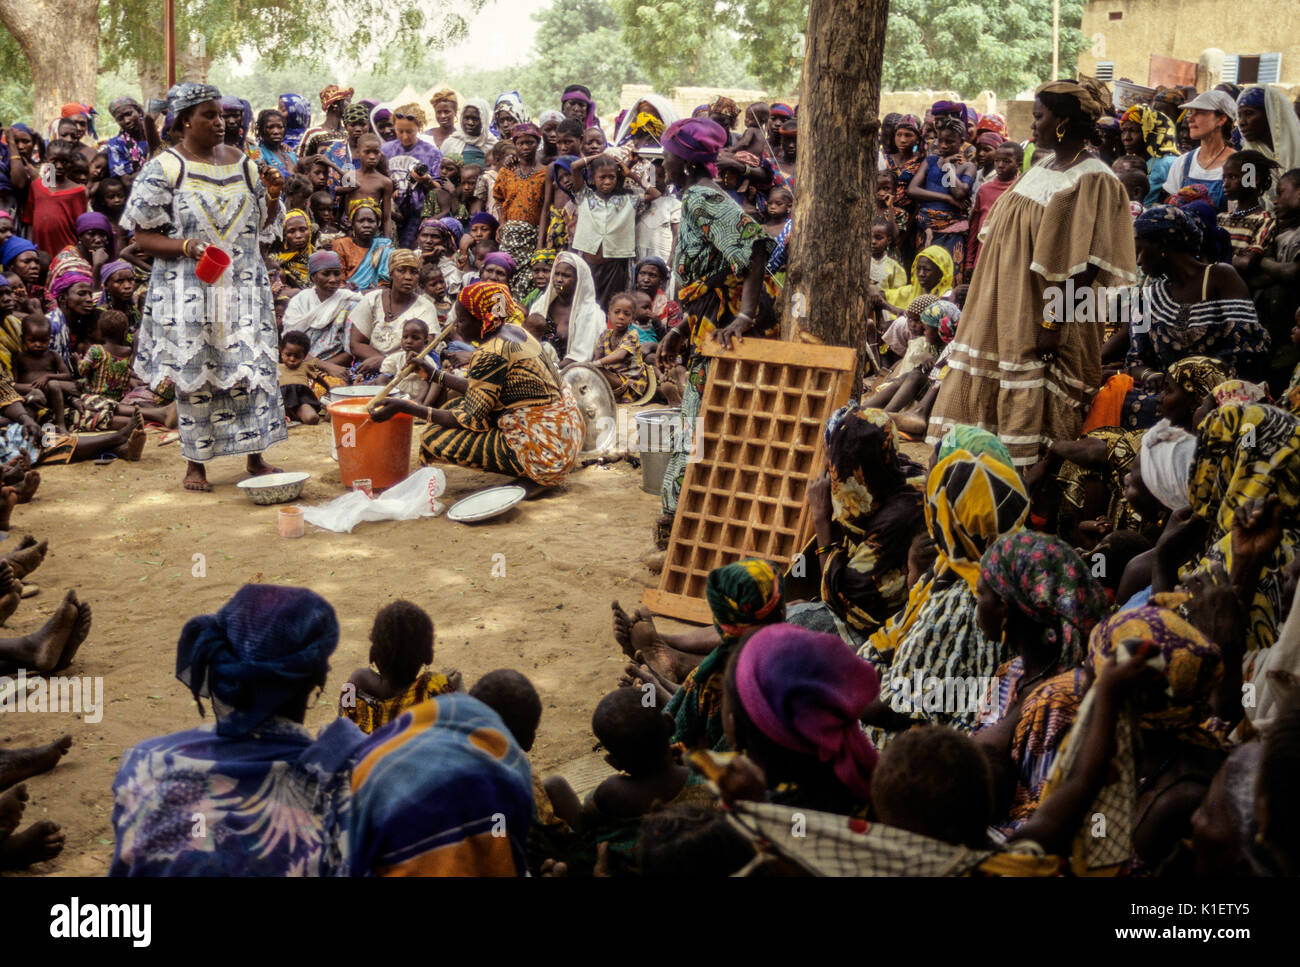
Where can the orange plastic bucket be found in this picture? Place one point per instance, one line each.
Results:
(378, 452)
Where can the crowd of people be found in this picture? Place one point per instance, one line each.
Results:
(1078, 602)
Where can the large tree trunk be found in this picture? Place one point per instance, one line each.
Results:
(193, 62)
(835, 177)
(61, 41)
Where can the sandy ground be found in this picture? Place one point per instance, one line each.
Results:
(125, 535)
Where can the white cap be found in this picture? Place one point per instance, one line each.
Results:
(1212, 101)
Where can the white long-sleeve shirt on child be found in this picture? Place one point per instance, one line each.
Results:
(415, 384)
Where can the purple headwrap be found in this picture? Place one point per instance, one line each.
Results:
(66, 281)
(501, 260)
(525, 129)
(805, 690)
(483, 218)
(110, 269)
(323, 259)
(94, 220)
(697, 140)
(590, 122)
(454, 226)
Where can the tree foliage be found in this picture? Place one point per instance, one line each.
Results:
(973, 45)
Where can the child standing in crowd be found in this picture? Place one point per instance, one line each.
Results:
(941, 190)
(401, 648)
(656, 227)
(370, 182)
(618, 351)
(54, 205)
(1006, 158)
(1247, 178)
(606, 230)
(886, 272)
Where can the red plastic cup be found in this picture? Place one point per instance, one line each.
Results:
(212, 265)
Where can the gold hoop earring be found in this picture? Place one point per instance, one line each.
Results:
(1060, 130)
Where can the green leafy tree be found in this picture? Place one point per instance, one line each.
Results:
(973, 45)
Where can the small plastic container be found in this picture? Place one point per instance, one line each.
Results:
(212, 264)
(289, 522)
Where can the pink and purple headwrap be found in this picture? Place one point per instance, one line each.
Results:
(454, 226)
(591, 106)
(66, 281)
(323, 259)
(525, 129)
(501, 260)
(805, 690)
(484, 218)
(697, 140)
(107, 271)
(779, 110)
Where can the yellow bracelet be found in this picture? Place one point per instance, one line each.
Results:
(1051, 326)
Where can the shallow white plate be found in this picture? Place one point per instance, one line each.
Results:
(486, 503)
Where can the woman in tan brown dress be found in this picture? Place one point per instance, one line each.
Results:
(1026, 361)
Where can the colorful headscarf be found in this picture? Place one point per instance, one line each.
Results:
(990, 139)
(502, 260)
(805, 691)
(525, 129)
(403, 258)
(367, 202)
(1239, 391)
(647, 123)
(297, 118)
(1198, 375)
(444, 790)
(944, 316)
(582, 98)
(511, 103)
(452, 225)
(1169, 226)
(492, 305)
(187, 94)
(323, 259)
(994, 124)
(962, 436)
(781, 110)
(484, 218)
(942, 259)
(909, 121)
(125, 100)
(1190, 664)
(13, 247)
(542, 256)
(266, 645)
(89, 221)
(443, 94)
(110, 269)
(971, 501)
(356, 114)
(1089, 102)
(724, 105)
(1046, 580)
(1159, 135)
(745, 595)
(1187, 194)
(332, 94)
(697, 140)
(67, 280)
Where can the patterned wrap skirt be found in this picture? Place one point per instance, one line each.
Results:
(223, 422)
(541, 443)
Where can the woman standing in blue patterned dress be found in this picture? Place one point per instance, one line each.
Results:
(217, 343)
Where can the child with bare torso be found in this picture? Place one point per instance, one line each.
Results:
(371, 182)
(37, 367)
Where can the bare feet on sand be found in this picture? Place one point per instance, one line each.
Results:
(8, 497)
(12, 805)
(28, 486)
(28, 556)
(40, 651)
(11, 590)
(640, 640)
(196, 478)
(18, 765)
(80, 629)
(37, 843)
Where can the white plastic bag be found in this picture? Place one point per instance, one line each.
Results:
(416, 496)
